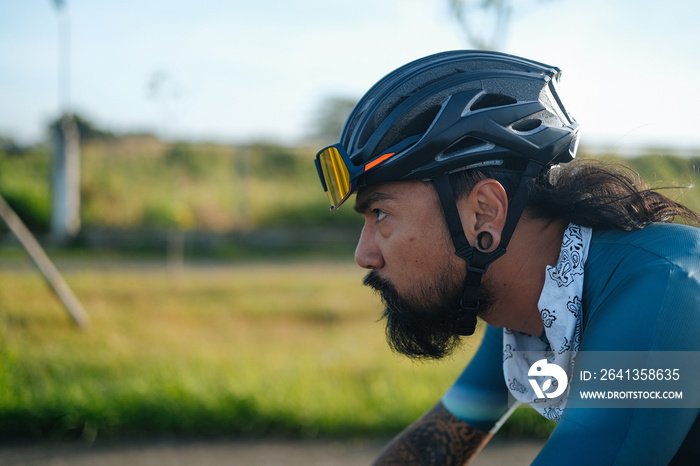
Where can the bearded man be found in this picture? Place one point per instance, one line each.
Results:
(460, 156)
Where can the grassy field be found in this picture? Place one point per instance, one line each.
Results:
(252, 349)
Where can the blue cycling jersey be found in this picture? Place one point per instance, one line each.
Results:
(641, 293)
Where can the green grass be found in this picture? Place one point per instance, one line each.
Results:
(292, 348)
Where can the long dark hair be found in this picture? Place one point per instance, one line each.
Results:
(589, 193)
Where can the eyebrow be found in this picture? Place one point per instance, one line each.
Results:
(363, 207)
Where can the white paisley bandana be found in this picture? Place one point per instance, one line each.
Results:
(560, 307)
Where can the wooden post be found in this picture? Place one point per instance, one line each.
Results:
(44, 264)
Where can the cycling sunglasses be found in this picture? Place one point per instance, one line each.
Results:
(339, 175)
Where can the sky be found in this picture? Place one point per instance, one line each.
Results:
(238, 70)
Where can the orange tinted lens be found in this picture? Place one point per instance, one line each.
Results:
(336, 175)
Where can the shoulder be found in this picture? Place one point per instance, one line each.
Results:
(659, 246)
(673, 242)
(642, 289)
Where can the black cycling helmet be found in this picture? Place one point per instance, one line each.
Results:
(450, 112)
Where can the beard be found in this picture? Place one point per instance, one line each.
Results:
(424, 326)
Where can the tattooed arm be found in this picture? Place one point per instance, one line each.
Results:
(438, 438)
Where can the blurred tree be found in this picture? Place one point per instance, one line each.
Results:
(10, 147)
(186, 156)
(87, 130)
(330, 118)
(269, 160)
(485, 23)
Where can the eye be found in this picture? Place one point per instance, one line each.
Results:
(380, 214)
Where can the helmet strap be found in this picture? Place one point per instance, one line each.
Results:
(478, 261)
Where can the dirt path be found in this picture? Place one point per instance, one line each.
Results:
(210, 453)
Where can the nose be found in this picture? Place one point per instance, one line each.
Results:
(367, 254)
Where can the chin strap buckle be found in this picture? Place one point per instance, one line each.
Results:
(466, 322)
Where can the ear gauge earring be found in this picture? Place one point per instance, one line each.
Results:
(484, 241)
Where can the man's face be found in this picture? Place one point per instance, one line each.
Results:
(406, 244)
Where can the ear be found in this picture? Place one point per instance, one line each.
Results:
(484, 209)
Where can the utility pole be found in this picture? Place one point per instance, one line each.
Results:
(65, 170)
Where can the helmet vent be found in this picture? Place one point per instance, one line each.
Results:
(417, 125)
(492, 100)
(463, 145)
(528, 125)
